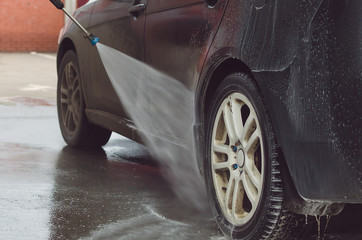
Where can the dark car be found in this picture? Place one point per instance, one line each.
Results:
(277, 88)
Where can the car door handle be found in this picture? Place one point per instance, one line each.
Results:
(136, 9)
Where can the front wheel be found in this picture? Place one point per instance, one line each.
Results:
(242, 171)
(74, 126)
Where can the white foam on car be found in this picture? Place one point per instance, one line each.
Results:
(163, 110)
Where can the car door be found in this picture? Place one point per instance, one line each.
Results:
(178, 35)
(119, 24)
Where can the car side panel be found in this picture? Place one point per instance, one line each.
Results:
(111, 22)
(178, 36)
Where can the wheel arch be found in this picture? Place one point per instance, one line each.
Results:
(64, 46)
(207, 89)
(217, 74)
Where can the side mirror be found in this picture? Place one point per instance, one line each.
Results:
(57, 3)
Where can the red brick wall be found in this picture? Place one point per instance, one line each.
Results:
(29, 25)
(81, 3)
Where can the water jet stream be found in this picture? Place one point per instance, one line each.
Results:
(162, 109)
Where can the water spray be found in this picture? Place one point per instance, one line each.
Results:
(59, 4)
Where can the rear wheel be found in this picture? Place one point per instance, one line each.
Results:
(242, 171)
(74, 126)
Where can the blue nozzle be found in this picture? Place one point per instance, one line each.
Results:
(93, 39)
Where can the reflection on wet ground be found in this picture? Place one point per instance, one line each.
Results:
(53, 191)
(100, 197)
(50, 191)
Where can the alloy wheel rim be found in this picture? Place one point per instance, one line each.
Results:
(237, 159)
(70, 98)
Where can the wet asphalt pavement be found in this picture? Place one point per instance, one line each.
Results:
(51, 191)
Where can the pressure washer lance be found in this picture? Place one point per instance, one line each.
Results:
(59, 4)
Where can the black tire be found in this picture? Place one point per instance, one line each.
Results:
(250, 209)
(74, 126)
